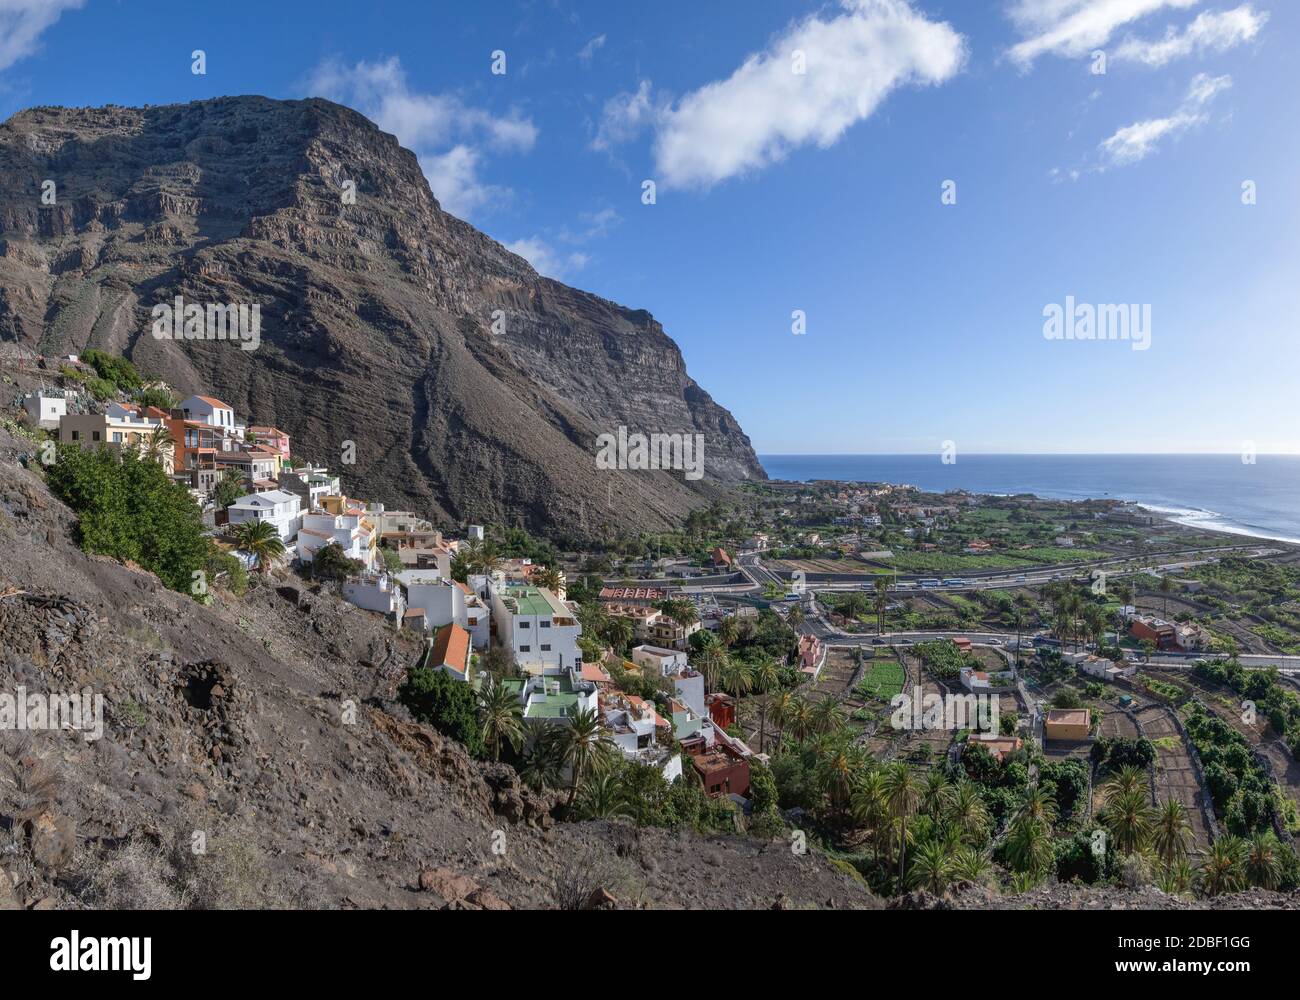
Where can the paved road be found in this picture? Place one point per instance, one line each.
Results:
(759, 577)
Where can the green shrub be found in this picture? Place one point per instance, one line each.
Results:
(130, 510)
(449, 706)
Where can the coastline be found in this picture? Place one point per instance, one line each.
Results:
(1230, 499)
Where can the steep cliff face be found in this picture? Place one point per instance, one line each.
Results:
(377, 315)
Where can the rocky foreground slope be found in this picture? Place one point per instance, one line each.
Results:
(377, 316)
(232, 722)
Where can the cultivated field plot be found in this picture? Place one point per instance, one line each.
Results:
(882, 677)
(1175, 777)
(836, 678)
(913, 744)
(1117, 723)
(835, 567)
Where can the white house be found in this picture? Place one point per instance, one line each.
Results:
(284, 510)
(664, 661)
(212, 412)
(320, 528)
(537, 627)
(44, 409)
(382, 594)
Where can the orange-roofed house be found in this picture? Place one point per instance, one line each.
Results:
(720, 558)
(1068, 724)
(451, 652)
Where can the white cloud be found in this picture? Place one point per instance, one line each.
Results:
(22, 22)
(1075, 28)
(1212, 31)
(590, 49)
(765, 110)
(624, 116)
(546, 260)
(447, 135)
(1136, 142)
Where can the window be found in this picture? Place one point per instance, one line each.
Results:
(76, 435)
(525, 649)
(525, 625)
(544, 624)
(546, 647)
(94, 435)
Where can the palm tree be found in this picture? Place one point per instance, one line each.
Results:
(778, 710)
(158, 446)
(766, 677)
(261, 540)
(549, 578)
(712, 663)
(1127, 816)
(795, 617)
(937, 796)
(1029, 845)
(870, 806)
(543, 766)
(737, 676)
(1223, 866)
(882, 600)
(1176, 878)
(729, 630)
(967, 813)
(835, 776)
(1038, 805)
(602, 798)
(502, 717)
(1019, 620)
(972, 867)
(1172, 833)
(1263, 865)
(619, 633)
(799, 720)
(826, 717)
(1126, 780)
(902, 793)
(583, 747)
(1094, 623)
(932, 868)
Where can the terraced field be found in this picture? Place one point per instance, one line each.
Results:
(1175, 777)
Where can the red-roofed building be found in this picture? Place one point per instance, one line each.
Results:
(720, 559)
(451, 652)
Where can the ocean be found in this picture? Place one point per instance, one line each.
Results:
(1215, 492)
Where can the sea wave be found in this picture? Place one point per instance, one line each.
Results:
(1209, 520)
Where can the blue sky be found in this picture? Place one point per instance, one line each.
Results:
(820, 191)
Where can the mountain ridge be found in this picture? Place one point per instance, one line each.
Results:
(378, 316)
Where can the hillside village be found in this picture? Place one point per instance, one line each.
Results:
(266, 507)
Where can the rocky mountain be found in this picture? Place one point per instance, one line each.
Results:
(472, 388)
